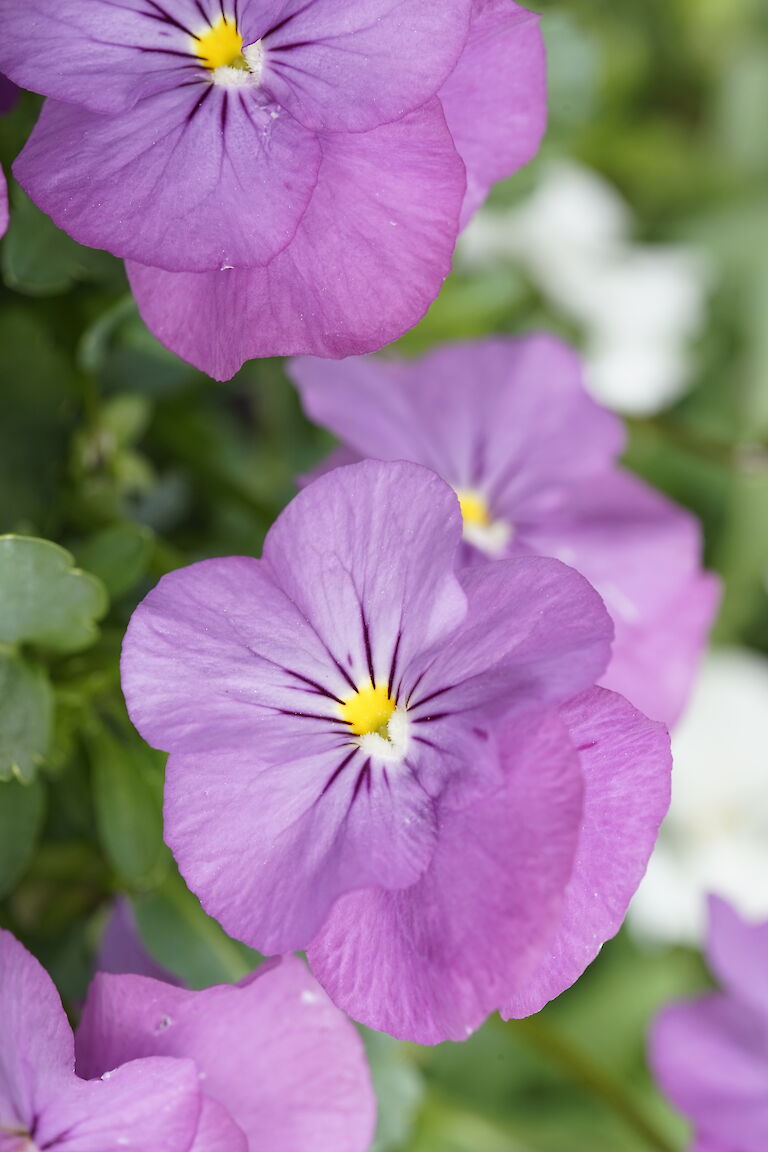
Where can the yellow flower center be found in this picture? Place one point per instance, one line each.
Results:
(474, 507)
(221, 46)
(369, 710)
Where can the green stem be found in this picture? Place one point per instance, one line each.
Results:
(592, 1077)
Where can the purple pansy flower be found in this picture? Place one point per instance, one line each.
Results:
(361, 732)
(283, 175)
(152, 1103)
(269, 1063)
(711, 1055)
(272, 1052)
(533, 459)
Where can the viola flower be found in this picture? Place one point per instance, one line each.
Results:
(710, 1055)
(354, 712)
(282, 175)
(533, 460)
(272, 1052)
(148, 1103)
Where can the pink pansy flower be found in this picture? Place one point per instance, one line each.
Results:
(711, 1055)
(283, 175)
(269, 1063)
(148, 1103)
(533, 459)
(395, 762)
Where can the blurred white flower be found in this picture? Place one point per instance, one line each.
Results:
(715, 838)
(640, 306)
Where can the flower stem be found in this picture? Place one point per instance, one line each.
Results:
(591, 1076)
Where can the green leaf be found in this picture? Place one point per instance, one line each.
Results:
(181, 937)
(128, 794)
(44, 599)
(21, 817)
(26, 714)
(118, 556)
(399, 1088)
(40, 260)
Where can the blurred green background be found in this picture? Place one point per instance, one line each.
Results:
(137, 464)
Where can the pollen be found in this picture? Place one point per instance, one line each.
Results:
(369, 710)
(474, 507)
(221, 46)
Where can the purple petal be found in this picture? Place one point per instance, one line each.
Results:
(367, 554)
(217, 1131)
(355, 67)
(268, 850)
(163, 182)
(274, 1051)
(524, 426)
(656, 660)
(121, 948)
(37, 1057)
(102, 55)
(710, 1057)
(430, 963)
(535, 631)
(217, 656)
(369, 258)
(153, 1103)
(496, 99)
(626, 763)
(738, 955)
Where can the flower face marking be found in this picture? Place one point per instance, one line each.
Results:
(369, 710)
(221, 45)
(481, 530)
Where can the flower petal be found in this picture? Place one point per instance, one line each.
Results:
(274, 1051)
(430, 963)
(511, 417)
(709, 1056)
(194, 179)
(153, 1103)
(268, 850)
(496, 98)
(100, 54)
(626, 763)
(369, 258)
(217, 1131)
(655, 661)
(535, 632)
(353, 67)
(367, 554)
(217, 656)
(738, 955)
(37, 1056)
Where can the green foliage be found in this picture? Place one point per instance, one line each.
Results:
(44, 599)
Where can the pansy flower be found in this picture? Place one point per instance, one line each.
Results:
(272, 1052)
(533, 460)
(283, 175)
(145, 1103)
(362, 732)
(269, 1063)
(710, 1055)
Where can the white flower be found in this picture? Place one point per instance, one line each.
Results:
(640, 305)
(715, 838)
